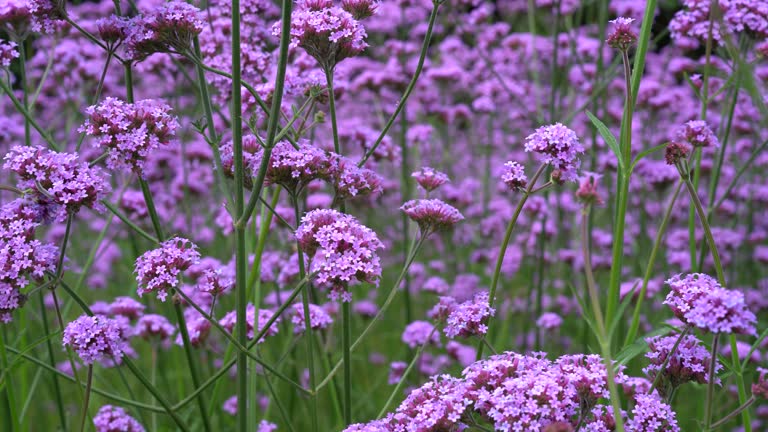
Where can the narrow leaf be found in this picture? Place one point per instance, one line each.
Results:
(609, 138)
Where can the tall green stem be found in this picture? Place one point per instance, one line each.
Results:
(88, 383)
(503, 248)
(711, 383)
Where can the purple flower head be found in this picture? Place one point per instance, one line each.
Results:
(252, 318)
(549, 321)
(698, 134)
(168, 28)
(318, 318)
(15, 15)
(351, 181)
(420, 333)
(469, 318)
(115, 419)
(691, 26)
(396, 371)
(347, 249)
(650, 414)
(328, 33)
(158, 270)
(588, 192)
(130, 131)
(293, 169)
(443, 309)
(698, 300)
(435, 406)
(558, 146)
(127, 307)
(430, 179)
(432, 214)
(8, 52)
(58, 179)
(676, 152)
(760, 388)
(690, 361)
(623, 36)
(95, 338)
(198, 328)
(216, 282)
(152, 326)
(360, 9)
(514, 176)
(112, 30)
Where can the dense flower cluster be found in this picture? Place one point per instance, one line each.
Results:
(168, 28)
(514, 176)
(158, 270)
(623, 36)
(347, 249)
(256, 321)
(153, 326)
(698, 300)
(115, 419)
(690, 361)
(432, 214)
(691, 26)
(318, 318)
(558, 146)
(650, 414)
(351, 181)
(95, 338)
(326, 32)
(420, 333)
(294, 168)
(698, 134)
(130, 131)
(429, 178)
(58, 179)
(469, 318)
(22, 257)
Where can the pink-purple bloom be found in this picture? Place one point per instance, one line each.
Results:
(514, 176)
(432, 214)
(115, 419)
(256, 321)
(318, 318)
(420, 333)
(690, 361)
(95, 338)
(158, 270)
(469, 318)
(8, 52)
(168, 28)
(558, 146)
(429, 178)
(622, 36)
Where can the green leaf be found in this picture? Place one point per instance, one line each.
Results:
(754, 348)
(620, 311)
(638, 346)
(645, 153)
(609, 138)
(585, 312)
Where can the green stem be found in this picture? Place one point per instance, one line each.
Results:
(503, 248)
(672, 352)
(151, 209)
(705, 225)
(88, 384)
(9, 388)
(191, 363)
(734, 413)
(711, 384)
(52, 360)
(111, 207)
(635, 325)
(346, 317)
(25, 97)
(27, 116)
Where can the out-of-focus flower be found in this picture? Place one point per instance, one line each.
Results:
(115, 419)
(429, 178)
(420, 333)
(252, 319)
(318, 318)
(8, 52)
(588, 192)
(698, 134)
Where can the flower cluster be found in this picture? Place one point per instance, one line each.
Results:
(326, 32)
(294, 168)
(168, 28)
(130, 131)
(8, 52)
(22, 257)
(58, 179)
(253, 318)
(347, 249)
(95, 338)
(623, 36)
(558, 146)
(697, 133)
(514, 176)
(690, 361)
(698, 300)
(469, 318)
(691, 26)
(153, 326)
(158, 270)
(432, 214)
(420, 333)
(588, 192)
(650, 414)
(351, 181)
(115, 419)
(429, 178)
(318, 318)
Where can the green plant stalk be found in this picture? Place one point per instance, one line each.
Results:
(346, 317)
(734, 413)
(622, 196)
(669, 356)
(415, 246)
(111, 207)
(643, 42)
(88, 385)
(635, 324)
(605, 345)
(411, 85)
(25, 98)
(152, 210)
(27, 116)
(191, 363)
(52, 360)
(9, 388)
(503, 248)
(405, 188)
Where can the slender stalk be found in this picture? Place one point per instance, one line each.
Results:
(191, 363)
(52, 360)
(88, 384)
(151, 209)
(503, 248)
(635, 325)
(9, 388)
(707, 231)
(734, 413)
(404, 377)
(25, 97)
(711, 384)
(672, 352)
(27, 115)
(111, 207)
(346, 317)
(411, 85)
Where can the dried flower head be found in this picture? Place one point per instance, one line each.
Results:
(676, 152)
(588, 193)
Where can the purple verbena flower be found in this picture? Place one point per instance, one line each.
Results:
(153, 326)
(127, 307)
(115, 419)
(650, 414)
(429, 178)
(420, 333)
(622, 36)
(432, 214)
(252, 318)
(697, 133)
(95, 338)
(158, 270)
(514, 176)
(469, 318)
(318, 318)
(170, 27)
(8, 52)
(558, 146)
(690, 361)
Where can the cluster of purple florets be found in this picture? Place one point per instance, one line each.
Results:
(8, 52)
(558, 146)
(158, 270)
(343, 250)
(130, 131)
(255, 321)
(689, 362)
(432, 214)
(690, 27)
(700, 301)
(429, 178)
(470, 317)
(515, 392)
(115, 419)
(95, 338)
(168, 28)
(58, 180)
(319, 318)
